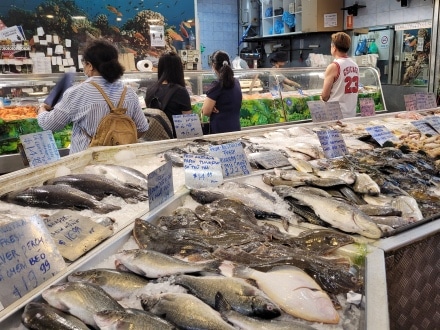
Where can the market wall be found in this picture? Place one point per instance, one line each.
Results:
(389, 12)
(219, 28)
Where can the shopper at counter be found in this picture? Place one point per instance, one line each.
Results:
(223, 99)
(341, 78)
(83, 104)
(278, 81)
(170, 93)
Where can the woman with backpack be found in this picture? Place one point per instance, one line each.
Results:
(223, 99)
(169, 93)
(85, 105)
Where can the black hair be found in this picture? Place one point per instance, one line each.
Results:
(104, 57)
(170, 68)
(222, 65)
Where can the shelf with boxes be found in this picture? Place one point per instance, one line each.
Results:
(283, 17)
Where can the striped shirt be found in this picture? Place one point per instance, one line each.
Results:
(84, 106)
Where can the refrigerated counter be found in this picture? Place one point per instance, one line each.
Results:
(261, 104)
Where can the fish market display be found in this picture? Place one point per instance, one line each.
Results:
(57, 197)
(99, 186)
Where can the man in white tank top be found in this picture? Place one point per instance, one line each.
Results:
(341, 78)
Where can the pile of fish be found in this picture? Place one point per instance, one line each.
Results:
(84, 190)
(217, 266)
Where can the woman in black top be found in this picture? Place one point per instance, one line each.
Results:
(170, 80)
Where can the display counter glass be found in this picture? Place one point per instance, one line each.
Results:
(263, 103)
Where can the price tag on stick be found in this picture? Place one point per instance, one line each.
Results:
(232, 157)
(160, 185)
(202, 171)
(333, 144)
(40, 148)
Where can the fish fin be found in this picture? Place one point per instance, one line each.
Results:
(221, 305)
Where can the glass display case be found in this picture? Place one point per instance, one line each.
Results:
(263, 102)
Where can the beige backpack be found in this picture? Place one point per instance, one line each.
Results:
(115, 128)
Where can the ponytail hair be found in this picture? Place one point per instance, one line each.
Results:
(222, 64)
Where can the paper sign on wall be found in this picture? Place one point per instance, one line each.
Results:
(381, 134)
(157, 35)
(187, 126)
(232, 157)
(202, 171)
(29, 257)
(160, 185)
(40, 148)
(332, 143)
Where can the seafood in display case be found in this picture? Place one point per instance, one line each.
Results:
(283, 222)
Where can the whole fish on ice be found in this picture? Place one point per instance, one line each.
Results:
(185, 310)
(294, 291)
(340, 215)
(57, 197)
(99, 186)
(123, 320)
(128, 176)
(80, 299)
(153, 264)
(244, 297)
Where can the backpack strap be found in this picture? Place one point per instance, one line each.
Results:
(110, 103)
(168, 95)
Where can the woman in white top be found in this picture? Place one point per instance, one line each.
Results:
(341, 78)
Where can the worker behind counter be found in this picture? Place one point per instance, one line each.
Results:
(341, 78)
(278, 81)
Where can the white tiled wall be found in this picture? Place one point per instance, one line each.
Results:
(386, 12)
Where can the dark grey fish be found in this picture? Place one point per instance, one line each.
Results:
(126, 175)
(57, 197)
(41, 316)
(99, 186)
(142, 320)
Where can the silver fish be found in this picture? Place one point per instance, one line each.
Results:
(57, 197)
(301, 165)
(41, 316)
(82, 300)
(294, 291)
(185, 310)
(347, 176)
(99, 186)
(250, 323)
(128, 176)
(364, 184)
(117, 284)
(153, 264)
(243, 297)
(340, 215)
(123, 320)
